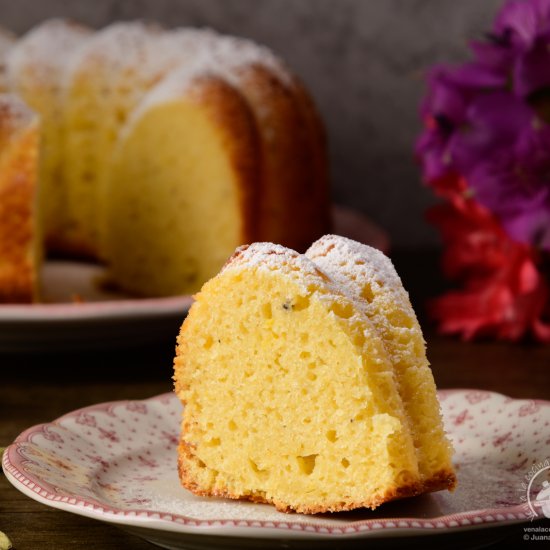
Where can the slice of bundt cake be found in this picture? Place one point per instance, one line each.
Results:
(370, 278)
(289, 394)
(36, 68)
(20, 243)
(183, 188)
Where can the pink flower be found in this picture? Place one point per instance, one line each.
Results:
(503, 295)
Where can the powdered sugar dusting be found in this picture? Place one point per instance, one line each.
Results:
(358, 266)
(340, 251)
(232, 53)
(203, 53)
(311, 277)
(44, 52)
(119, 46)
(274, 257)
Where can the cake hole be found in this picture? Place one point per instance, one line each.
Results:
(301, 302)
(311, 376)
(359, 262)
(304, 338)
(359, 340)
(305, 355)
(366, 293)
(256, 469)
(208, 342)
(266, 311)
(399, 319)
(201, 464)
(345, 311)
(345, 462)
(214, 442)
(306, 464)
(331, 436)
(232, 426)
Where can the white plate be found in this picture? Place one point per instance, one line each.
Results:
(116, 462)
(78, 312)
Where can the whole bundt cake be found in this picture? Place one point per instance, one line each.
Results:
(292, 394)
(161, 151)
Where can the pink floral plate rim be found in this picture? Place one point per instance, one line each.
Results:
(16, 459)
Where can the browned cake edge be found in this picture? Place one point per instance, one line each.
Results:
(18, 230)
(443, 479)
(293, 199)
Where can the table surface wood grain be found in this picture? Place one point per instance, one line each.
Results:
(39, 388)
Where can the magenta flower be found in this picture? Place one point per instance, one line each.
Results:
(487, 121)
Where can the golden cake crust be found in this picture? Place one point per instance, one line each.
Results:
(293, 200)
(444, 479)
(319, 193)
(227, 106)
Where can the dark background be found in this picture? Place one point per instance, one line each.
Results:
(362, 60)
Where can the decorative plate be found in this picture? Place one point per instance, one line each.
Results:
(79, 312)
(116, 462)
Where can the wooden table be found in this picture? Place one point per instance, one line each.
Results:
(37, 389)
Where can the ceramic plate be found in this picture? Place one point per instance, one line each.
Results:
(80, 312)
(116, 462)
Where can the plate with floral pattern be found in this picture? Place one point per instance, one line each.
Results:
(116, 462)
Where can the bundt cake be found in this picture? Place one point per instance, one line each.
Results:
(20, 248)
(372, 281)
(99, 96)
(291, 395)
